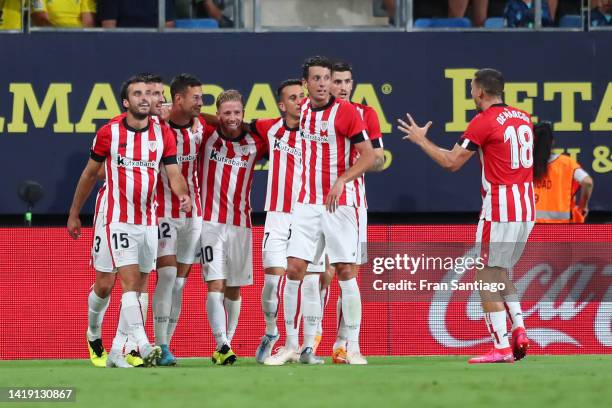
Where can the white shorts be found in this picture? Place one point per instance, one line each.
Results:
(180, 237)
(227, 253)
(101, 258)
(277, 232)
(502, 243)
(130, 245)
(362, 224)
(315, 229)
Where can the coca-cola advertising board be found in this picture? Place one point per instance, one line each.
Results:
(564, 278)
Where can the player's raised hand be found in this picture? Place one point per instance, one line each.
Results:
(413, 132)
(331, 202)
(185, 202)
(74, 227)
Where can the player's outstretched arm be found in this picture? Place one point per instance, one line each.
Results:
(83, 190)
(364, 162)
(451, 160)
(178, 185)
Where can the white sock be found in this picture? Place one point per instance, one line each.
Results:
(232, 308)
(341, 334)
(291, 310)
(177, 304)
(162, 303)
(351, 313)
(514, 311)
(95, 315)
(269, 302)
(311, 308)
(143, 298)
(121, 336)
(132, 343)
(324, 293)
(131, 310)
(496, 324)
(216, 317)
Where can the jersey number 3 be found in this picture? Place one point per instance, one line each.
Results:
(521, 146)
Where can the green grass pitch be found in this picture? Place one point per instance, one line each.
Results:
(538, 381)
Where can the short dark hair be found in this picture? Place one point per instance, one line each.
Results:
(490, 80)
(342, 66)
(316, 61)
(152, 78)
(181, 83)
(126, 84)
(286, 83)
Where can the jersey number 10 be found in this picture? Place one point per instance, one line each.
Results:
(521, 146)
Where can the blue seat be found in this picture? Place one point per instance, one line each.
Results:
(196, 23)
(571, 20)
(442, 23)
(494, 22)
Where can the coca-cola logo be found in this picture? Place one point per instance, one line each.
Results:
(568, 293)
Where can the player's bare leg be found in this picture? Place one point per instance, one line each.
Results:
(495, 318)
(520, 342)
(270, 297)
(351, 310)
(97, 302)
(215, 310)
(162, 305)
(131, 321)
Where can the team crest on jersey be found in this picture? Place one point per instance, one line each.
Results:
(244, 150)
(153, 145)
(324, 125)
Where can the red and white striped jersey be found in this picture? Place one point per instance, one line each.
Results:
(327, 133)
(187, 149)
(132, 158)
(372, 125)
(285, 164)
(226, 170)
(503, 136)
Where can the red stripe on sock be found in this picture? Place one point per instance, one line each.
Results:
(508, 313)
(296, 319)
(278, 292)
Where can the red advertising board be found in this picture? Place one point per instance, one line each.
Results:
(567, 299)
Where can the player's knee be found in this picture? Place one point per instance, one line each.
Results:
(232, 292)
(216, 285)
(296, 269)
(344, 271)
(104, 284)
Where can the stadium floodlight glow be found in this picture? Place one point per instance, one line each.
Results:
(30, 192)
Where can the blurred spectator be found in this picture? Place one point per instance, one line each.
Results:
(389, 6)
(521, 13)
(10, 14)
(457, 9)
(220, 10)
(133, 13)
(601, 14)
(63, 13)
